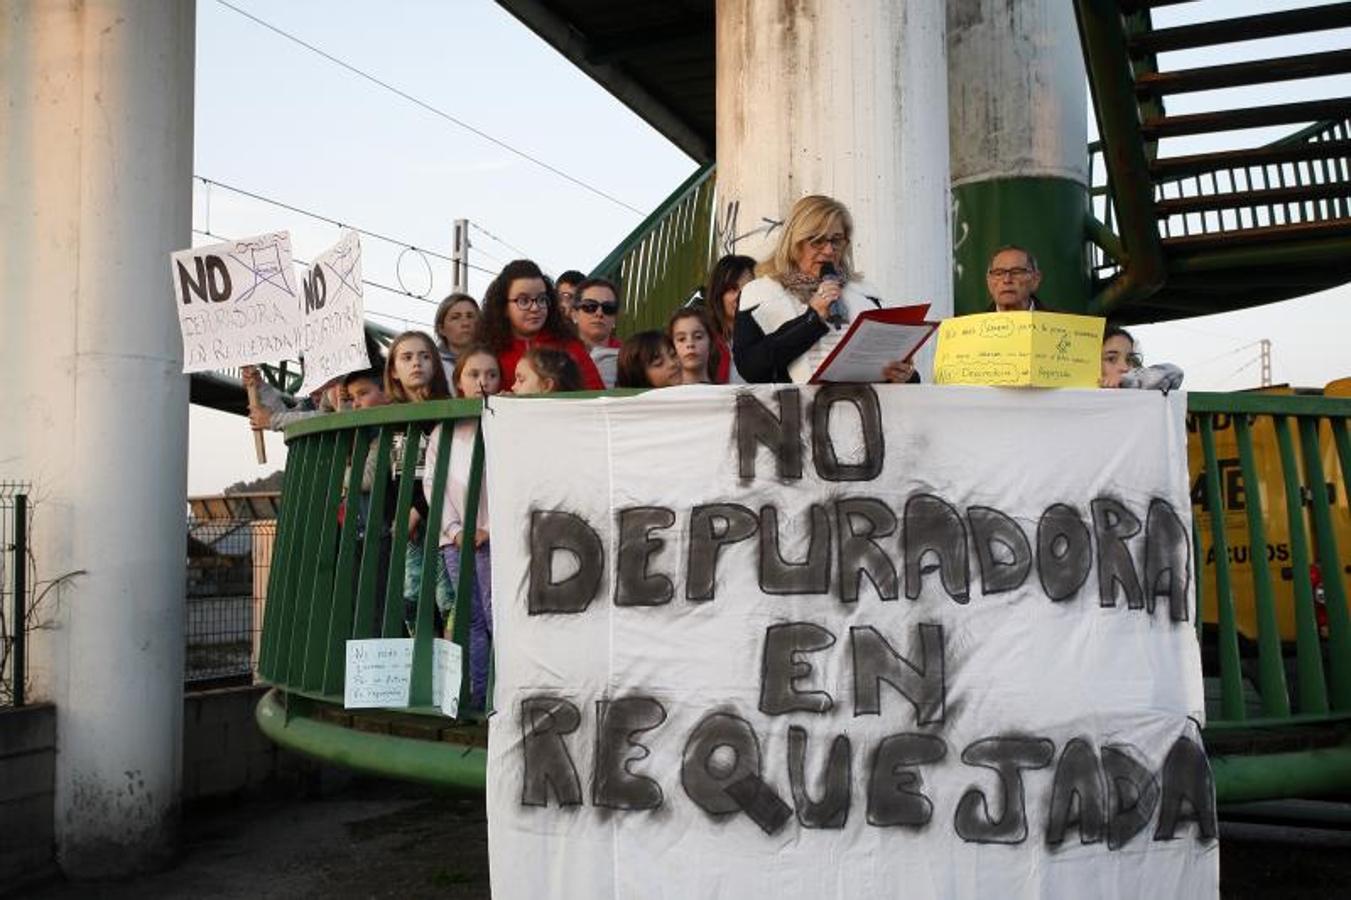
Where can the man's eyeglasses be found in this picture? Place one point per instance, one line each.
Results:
(835, 240)
(1001, 274)
(525, 302)
(590, 306)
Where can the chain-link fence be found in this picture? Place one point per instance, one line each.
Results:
(16, 585)
(228, 561)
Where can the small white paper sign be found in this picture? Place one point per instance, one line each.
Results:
(447, 672)
(237, 302)
(334, 338)
(379, 673)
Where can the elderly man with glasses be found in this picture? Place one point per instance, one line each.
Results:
(1012, 279)
(595, 312)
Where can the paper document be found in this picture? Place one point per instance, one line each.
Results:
(379, 673)
(1020, 349)
(447, 672)
(875, 338)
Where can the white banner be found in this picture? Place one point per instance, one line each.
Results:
(334, 338)
(238, 303)
(846, 642)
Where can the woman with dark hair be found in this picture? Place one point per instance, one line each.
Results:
(722, 298)
(1123, 367)
(691, 334)
(544, 370)
(647, 360)
(520, 312)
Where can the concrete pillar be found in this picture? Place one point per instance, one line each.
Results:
(1019, 139)
(95, 191)
(839, 97)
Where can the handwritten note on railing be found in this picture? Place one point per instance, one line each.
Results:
(1020, 349)
(379, 674)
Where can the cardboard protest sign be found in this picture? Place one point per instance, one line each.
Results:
(846, 641)
(334, 338)
(1020, 349)
(238, 303)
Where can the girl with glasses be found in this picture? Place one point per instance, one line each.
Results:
(520, 312)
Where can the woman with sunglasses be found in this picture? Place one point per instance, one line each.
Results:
(595, 312)
(795, 313)
(520, 312)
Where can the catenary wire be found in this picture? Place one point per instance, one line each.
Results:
(431, 109)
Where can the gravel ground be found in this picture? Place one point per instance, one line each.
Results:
(370, 838)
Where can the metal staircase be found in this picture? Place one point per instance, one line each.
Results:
(1187, 235)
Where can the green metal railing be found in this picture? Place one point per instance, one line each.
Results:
(328, 583)
(667, 257)
(1308, 504)
(1276, 647)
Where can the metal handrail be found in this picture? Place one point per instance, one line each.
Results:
(1145, 209)
(662, 261)
(1262, 176)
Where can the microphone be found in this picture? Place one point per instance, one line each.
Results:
(835, 313)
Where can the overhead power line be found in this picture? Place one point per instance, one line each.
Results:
(406, 245)
(320, 216)
(488, 234)
(431, 109)
(1225, 355)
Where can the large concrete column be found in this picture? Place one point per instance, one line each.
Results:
(840, 97)
(1019, 135)
(95, 191)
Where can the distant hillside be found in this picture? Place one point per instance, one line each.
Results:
(270, 482)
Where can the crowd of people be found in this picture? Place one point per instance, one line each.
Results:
(769, 321)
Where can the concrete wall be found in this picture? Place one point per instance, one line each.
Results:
(225, 754)
(27, 789)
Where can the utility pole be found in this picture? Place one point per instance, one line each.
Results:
(459, 255)
(1266, 362)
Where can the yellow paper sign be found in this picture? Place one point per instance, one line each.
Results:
(1020, 349)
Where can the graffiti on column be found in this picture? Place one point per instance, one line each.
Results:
(728, 225)
(960, 232)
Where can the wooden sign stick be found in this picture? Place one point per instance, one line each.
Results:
(258, 446)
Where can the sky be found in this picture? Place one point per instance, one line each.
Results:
(281, 122)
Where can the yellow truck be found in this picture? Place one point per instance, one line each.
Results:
(1236, 496)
